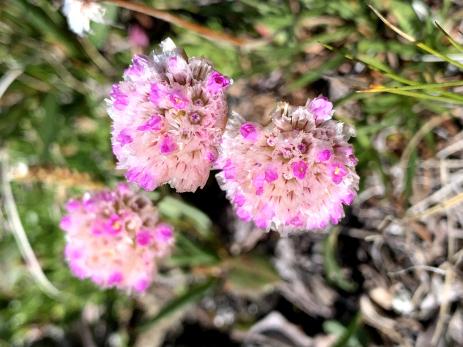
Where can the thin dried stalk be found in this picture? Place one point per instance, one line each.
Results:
(426, 128)
(418, 44)
(7, 79)
(20, 236)
(446, 204)
(60, 176)
(170, 18)
(444, 307)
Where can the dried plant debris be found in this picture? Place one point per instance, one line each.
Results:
(300, 267)
(415, 270)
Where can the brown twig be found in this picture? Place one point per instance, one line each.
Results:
(170, 18)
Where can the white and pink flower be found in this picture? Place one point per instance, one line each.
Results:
(168, 114)
(295, 173)
(115, 239)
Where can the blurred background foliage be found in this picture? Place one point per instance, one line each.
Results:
(309, 290)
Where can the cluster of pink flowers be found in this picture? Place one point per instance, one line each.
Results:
(114, 238)
(295, 173)
(169, 114)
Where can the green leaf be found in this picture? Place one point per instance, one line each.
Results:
(51, 124)
(251, 276)
(187, 252)
(348, 338)
(188, 297)
(177, 210)
(332, 269)
(410, 174)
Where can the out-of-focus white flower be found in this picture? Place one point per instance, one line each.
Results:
(79, 13)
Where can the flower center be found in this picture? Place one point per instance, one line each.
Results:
(302, 147)
(195, 118)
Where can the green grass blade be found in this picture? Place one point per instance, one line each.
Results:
(190, 296)
(332, 268)
(413, 40)
(177, 210)
(435, 53)
(351, 330)
(415, 87)
(425, 96)
(450, 38)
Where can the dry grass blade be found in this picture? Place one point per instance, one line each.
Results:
(392, 26)
(446, 204)
(7, 79)
(410, 38)
(426, 128)
(386, 325)
(57, 176)
(99, 59)
(20, 235)
(444, 308)
(419, 267)
(170, 18)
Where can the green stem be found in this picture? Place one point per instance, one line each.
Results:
(389, 73)
(431, 86)
(425, 96)
(450, 38)
(430, 50)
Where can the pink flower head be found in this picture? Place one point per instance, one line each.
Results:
(249, 131)
(170, 104)
(167, 145)
(338, 171)
(321, 108)
(299, 169)
(211, 156)
(177, 100)
(138, 36)
(144, 237)
(114, 240)
(271, 175)
(296, 173)
(164, 233)
(324, 155)
(142, 285)
(158, 93)
(124, 137)
(239, 200)
(154, 123)
(217, 82)
(137, 68)
(120, 99)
